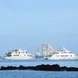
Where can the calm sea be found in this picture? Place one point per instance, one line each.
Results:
(36, 74)
(69, 63)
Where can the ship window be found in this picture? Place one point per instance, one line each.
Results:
(57, 55)
(71, 55)
(15, 55)
(61, 55)
(8, 55)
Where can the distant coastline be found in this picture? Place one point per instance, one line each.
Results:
(54, 67)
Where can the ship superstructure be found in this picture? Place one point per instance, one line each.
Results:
(18, 54)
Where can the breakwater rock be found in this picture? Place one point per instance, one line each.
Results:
(42, 67)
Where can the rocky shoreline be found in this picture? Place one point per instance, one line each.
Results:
(42, 67)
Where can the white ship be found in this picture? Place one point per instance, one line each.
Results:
(18, 54)
(58, 55)
(63, 55)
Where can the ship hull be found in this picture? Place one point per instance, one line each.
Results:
(73, 58)
(18, 58)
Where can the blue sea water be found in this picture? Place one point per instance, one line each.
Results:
(37, 74)
(68, 63)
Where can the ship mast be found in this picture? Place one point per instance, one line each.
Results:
(38, 52)
(47, 49)
(44, 49)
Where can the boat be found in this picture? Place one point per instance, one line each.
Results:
(50, 53)
(18, 54)
(62, 55)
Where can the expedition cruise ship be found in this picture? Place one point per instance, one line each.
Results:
(62, 55)
(18, 54)
(51, 54)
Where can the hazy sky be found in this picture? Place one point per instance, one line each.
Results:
(26, 24)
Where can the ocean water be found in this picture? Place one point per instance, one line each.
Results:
(68, 63)
(36, 74)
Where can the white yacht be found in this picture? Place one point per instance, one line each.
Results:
(63, 55)
(18, 54)
(50, 53)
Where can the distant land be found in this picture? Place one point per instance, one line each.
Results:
(42, 67)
